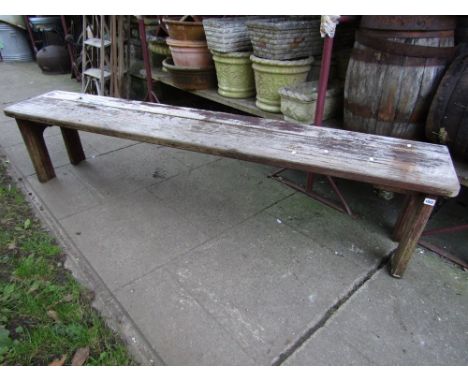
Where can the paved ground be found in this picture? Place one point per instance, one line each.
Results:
(201, 260)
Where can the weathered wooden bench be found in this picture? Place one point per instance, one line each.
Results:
(424, 171)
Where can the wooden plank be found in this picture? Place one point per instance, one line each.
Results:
(414, 166)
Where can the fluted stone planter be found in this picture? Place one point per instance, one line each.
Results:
(235, 74)
(271, 75)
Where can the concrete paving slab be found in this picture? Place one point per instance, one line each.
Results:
(11, 135)
(265, 283)
(57, 151)
(362, 241)
(180, 329)
(103, 144)
(129, 236)
(9, 132)
(133, 167)
(66, 194)
(417, 320)
(362, 198)
(191, 160)
(209, 196)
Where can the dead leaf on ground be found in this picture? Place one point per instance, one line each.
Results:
(54, 315)
(80, 356)
(12, 246)
(59, 362)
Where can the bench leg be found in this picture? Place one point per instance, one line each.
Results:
(410, 226)
(404, 219)
(73, 145)
(33, 136)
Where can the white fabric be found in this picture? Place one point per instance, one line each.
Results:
(328, 25)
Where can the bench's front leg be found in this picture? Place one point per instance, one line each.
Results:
(409, 228)
(33, 136)
(73, 145)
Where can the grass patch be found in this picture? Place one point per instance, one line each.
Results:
(44, 313)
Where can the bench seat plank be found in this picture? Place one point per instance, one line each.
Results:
(410, 165)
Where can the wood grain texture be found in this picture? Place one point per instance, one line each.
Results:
(34, 141)
(404, 219)
(410, 165)
(390, 93)
(73, 145)
(417, 213)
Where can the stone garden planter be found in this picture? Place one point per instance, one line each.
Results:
(228, 34)
(286, 38)
(235, 74)
(271, 75)
(298, 102)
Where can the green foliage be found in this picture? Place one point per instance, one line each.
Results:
(44, 313)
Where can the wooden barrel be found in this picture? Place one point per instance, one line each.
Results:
(461, 32)
(393, 73)
(447, 121)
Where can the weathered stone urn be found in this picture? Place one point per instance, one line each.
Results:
(271, 75)
(235, 74)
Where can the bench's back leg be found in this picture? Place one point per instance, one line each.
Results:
(409, 228)
(33, 136)
(73, 145)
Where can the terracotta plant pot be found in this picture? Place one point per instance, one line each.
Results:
(271, 75)
(235, 74)
(193, 54)
(185, 30)
(190, 78)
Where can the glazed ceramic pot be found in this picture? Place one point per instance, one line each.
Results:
(185, 30)
(235, 74)
(271, 75)
(190, 53)
(190, 78)
(53, 59)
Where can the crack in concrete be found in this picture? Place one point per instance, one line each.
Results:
(328, 314)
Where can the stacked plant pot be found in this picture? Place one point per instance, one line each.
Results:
(230, 45)
(283, 55)
(191, 65)
(158, 48)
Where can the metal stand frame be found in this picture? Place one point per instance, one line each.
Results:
(322, 92)
(76, 73)
(440, 251)
(150, 95)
